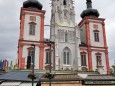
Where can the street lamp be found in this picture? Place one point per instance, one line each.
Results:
(49, 43)
(33, 61)
(50, 63)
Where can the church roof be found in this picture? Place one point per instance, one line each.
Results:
(21, 75)
(83, 44)
(100, 77)
(32, 4)
(90, 11)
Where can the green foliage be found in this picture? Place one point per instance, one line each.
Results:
(113, 74)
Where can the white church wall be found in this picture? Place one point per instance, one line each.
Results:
(71, 45)
(94, 64)
(35, 37)
(72, 49)
(101, 41)
(83, 34)
(80, 68)
(25, 54)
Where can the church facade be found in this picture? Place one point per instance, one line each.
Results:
(72, 46)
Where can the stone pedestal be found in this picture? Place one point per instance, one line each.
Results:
(100, 69)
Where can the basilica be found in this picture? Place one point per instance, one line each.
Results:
(71, 46)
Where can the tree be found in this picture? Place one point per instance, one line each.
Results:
(113, 72)
(113, 66)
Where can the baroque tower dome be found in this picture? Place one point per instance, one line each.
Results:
(89, 11)
(32, 4)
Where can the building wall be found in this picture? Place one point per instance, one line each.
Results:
(25, 55)
(25, 39)
(83, 34)
(37, 28)
(76, 83)
(103, 61)
(63, 18)
(87, 66)
(94, 47)
(101, 41)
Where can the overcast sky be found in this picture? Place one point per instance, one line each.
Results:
(10, 23)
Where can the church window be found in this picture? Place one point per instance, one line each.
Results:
(31, 53)
(73, 36)
(66, 36)
(64, 2)
(47, 57)
(66, 56)
(83, 59)
(28, 62)
(30, 57)
(95, 26)
(32, 29)
(33, 18)
(98, 59)
(62, 35)
(70, 35)
(96, 36)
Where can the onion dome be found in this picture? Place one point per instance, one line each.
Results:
(89, 11)
(32, 4)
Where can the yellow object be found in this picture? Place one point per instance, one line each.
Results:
(58, 23)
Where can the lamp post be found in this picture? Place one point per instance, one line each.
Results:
(49, 43)
(33, 61)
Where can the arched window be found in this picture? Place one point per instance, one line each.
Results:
(30, 57)
(28, 62)
(66, 56)
(64, 2)
(96, 34)
(98, 59)
(83, 58)
(32, 28)
(66, 37)
(47, 56)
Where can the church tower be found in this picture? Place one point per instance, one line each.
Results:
(93, 50)
(31, 33)
(65, 35)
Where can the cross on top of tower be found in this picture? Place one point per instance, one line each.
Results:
(89, 4)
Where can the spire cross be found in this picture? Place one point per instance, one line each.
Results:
(89, 4)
